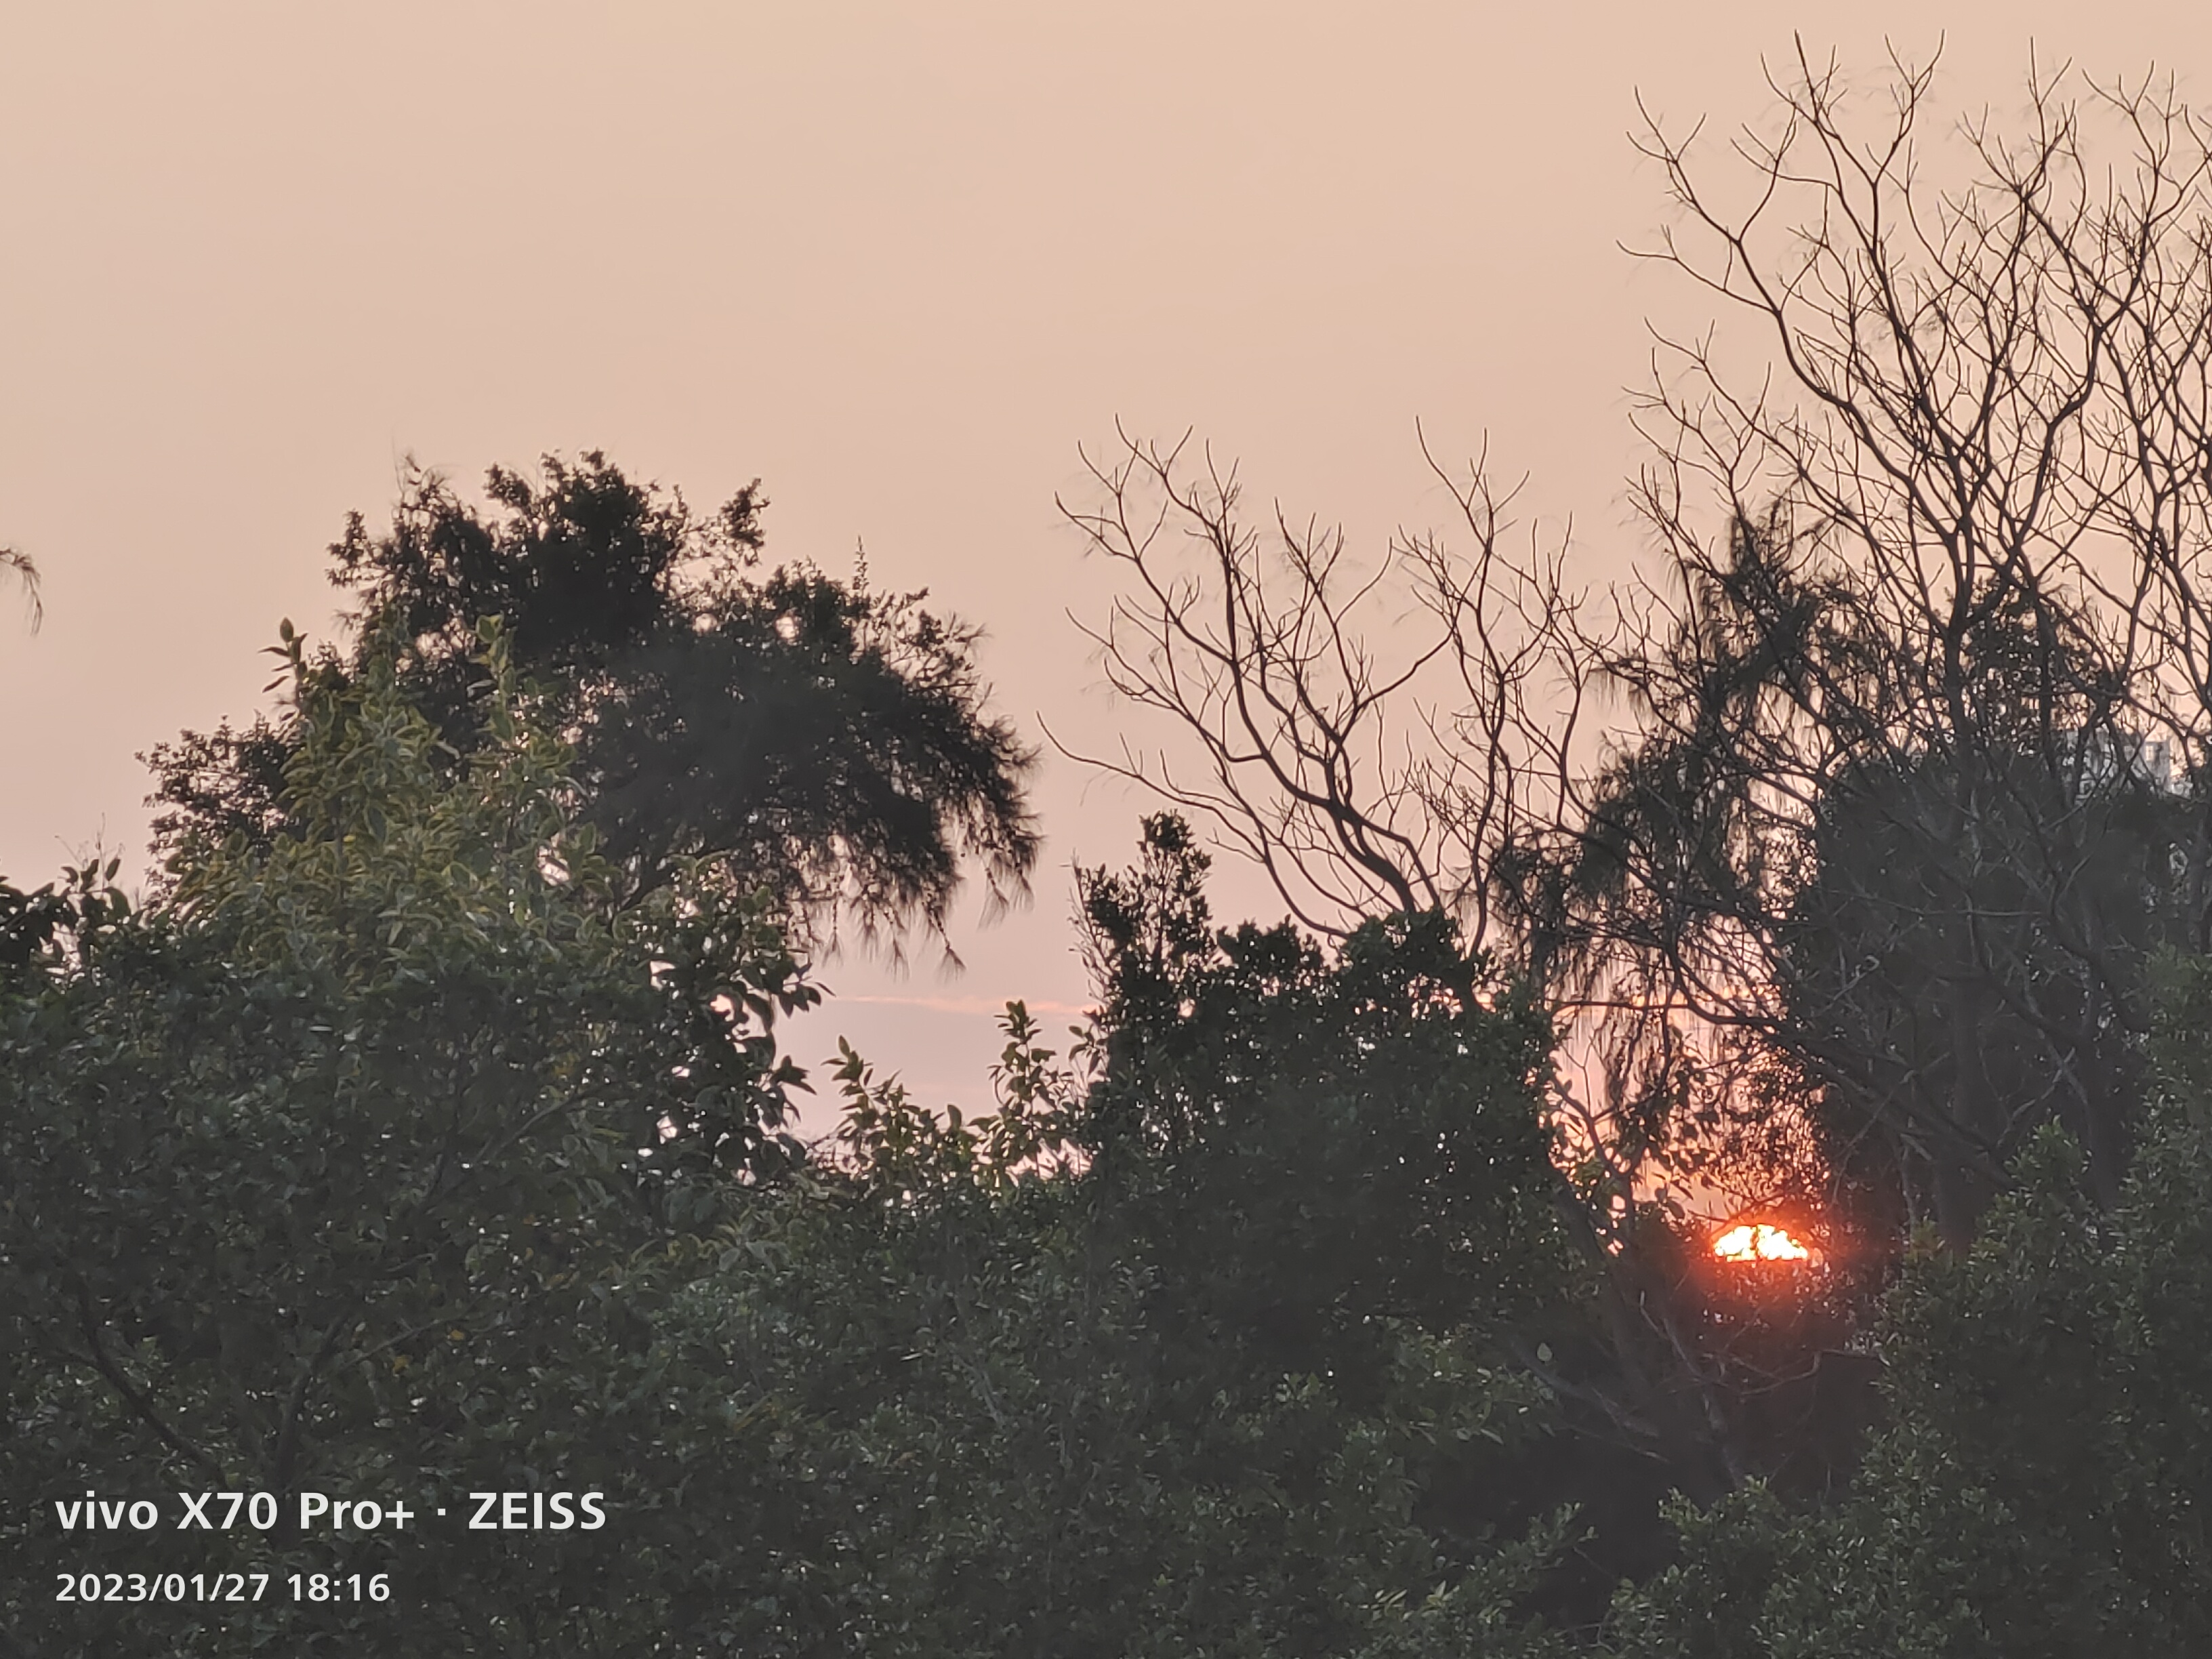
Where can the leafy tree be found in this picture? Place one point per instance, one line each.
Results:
(821, 739)
(349, 1166)
(1338, 1136)
(2039, 1491)
(1918, 901)
(1200, 1358)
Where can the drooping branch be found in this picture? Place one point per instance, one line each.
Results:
(18, 566)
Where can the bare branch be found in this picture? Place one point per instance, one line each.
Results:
(1375, 735)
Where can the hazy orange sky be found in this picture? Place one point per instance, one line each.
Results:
(898, 263)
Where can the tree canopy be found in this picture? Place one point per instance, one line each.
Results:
(333, 1168)
(406, 1153)
(817, 738)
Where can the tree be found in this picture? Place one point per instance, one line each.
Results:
(356, 1164)
(1933, 934)
(1336, 1141)
(1911, 796)
(1439, 774)
(818, 738)
(1922, 681)
(1375, 735)
(1336, 1133)
(1223, 1381)
(2039, 1488)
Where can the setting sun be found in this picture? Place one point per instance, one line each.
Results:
(1761, 1243)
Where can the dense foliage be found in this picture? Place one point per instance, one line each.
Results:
(2039, 1490)
(322, 1174)
(818, 738)
(400, 1155)
(407, 1154)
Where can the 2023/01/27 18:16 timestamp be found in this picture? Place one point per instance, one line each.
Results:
(221, 1586)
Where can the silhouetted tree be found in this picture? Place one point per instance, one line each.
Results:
(2037, 1491)
(815, 736)
(1911, 795)
(1912, 720)
(1374, 733)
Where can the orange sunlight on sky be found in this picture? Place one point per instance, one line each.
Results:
(897, 262)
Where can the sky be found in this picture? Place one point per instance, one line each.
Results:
(905, 264)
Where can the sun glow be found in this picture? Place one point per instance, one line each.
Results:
(1758, 1244)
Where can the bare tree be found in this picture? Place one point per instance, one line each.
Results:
(1376, 734)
